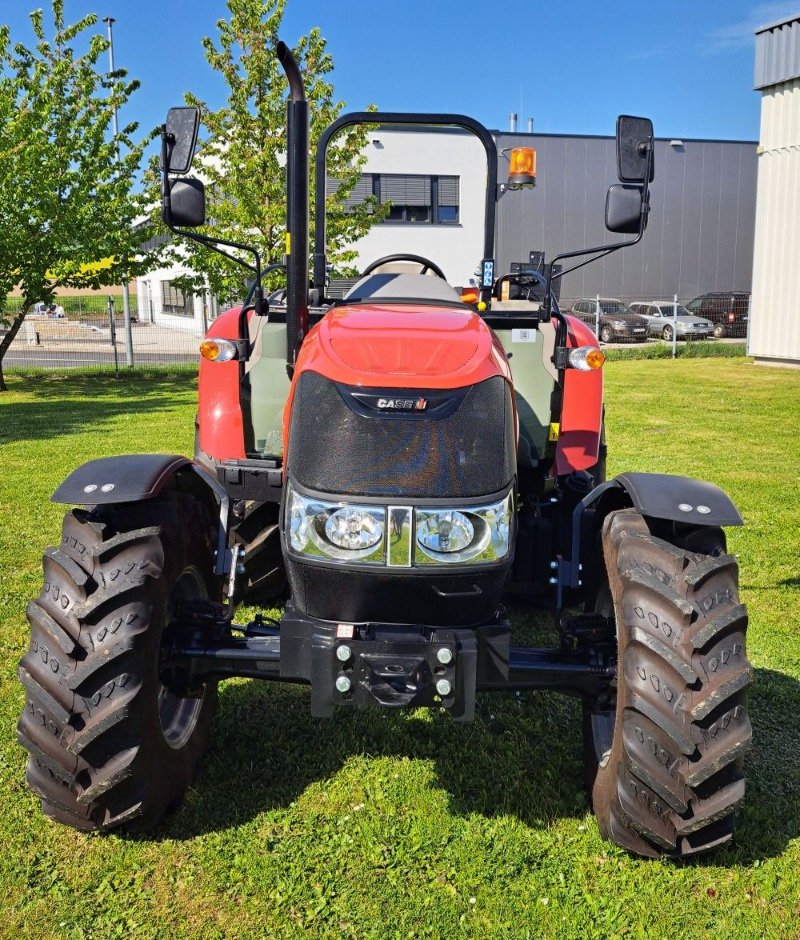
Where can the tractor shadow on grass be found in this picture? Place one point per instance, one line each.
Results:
(521, 756)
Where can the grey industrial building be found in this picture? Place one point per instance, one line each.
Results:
(700, 235)
(699, 239)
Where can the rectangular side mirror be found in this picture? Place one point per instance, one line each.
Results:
(182, 126)
(634, 142)
(187, 203)
(624, 210)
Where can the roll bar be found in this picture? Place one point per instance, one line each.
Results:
(403, 118)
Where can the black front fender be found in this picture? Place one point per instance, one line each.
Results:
(133, 478)
(127, 479)
(657, 495)
(680, 499)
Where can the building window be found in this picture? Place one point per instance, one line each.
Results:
(176, 301)
(412, 197)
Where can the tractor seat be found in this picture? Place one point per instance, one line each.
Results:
(402, 287)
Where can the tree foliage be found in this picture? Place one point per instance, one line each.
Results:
(242, 159)
(66, 200)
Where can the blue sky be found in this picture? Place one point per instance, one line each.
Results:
(572, 66)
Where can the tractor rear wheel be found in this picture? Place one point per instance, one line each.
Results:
(109, 743)
(664, 760)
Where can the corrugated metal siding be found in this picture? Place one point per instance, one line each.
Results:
(778, 53)
(700, 235)
(775, 307)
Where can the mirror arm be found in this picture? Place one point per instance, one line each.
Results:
(212, 243)
(602, 250)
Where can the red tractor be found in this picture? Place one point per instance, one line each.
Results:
(400, 473)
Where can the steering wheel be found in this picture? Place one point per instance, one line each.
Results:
(427, 264)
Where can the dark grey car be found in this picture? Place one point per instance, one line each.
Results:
(611, 319)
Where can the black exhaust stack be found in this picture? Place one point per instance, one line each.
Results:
(297, 201)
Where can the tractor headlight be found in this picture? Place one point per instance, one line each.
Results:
(472, 534)
(444, 531)
(336, 531)
(353, 529)
(326, 530)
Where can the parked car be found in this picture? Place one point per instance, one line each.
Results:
(727, 310)
(616, 322)
(661, 320)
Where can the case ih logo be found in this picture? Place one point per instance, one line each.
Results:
(402, 404)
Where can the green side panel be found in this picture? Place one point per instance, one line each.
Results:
(269, 385)
(533, 386)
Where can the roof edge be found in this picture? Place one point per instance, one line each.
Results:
(777, 23)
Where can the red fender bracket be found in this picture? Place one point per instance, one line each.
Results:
(219, 405)
(581, 409)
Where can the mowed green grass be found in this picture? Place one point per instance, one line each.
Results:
(378, 825)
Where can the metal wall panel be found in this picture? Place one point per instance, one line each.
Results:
(775, 307)
(700, 234)
(777, 53)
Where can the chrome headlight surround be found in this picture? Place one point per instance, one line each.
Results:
(395, 532)
(307, 519)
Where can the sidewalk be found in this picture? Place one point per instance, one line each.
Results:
(147, 338)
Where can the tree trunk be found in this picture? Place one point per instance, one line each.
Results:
(7, 340)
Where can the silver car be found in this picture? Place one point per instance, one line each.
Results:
(660, 316)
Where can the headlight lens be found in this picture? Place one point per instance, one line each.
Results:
(354, 529)
(618, 324)
(332, 530)
(445, 531)
(472, 534)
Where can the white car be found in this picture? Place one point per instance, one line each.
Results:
(661, 320)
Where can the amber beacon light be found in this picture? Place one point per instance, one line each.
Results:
(522, 168)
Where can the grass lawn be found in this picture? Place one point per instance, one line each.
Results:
(386, 825)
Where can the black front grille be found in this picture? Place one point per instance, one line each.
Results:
(469, 451)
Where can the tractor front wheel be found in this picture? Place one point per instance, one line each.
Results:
(109, 742)
(664, 751)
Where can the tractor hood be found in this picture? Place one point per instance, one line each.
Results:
(402, 346)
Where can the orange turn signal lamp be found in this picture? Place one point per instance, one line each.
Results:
(586, 358)
(521, 167)
(218, 350)
(472, 296)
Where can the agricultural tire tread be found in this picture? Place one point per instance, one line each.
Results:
(99, 757)
(671, 781)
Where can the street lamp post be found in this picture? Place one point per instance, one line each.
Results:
(126, 300)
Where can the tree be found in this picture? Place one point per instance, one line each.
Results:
(67, 205)
(242, 159)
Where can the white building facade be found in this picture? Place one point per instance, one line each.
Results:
(160, 301)
(435, 180)
(775, 306)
